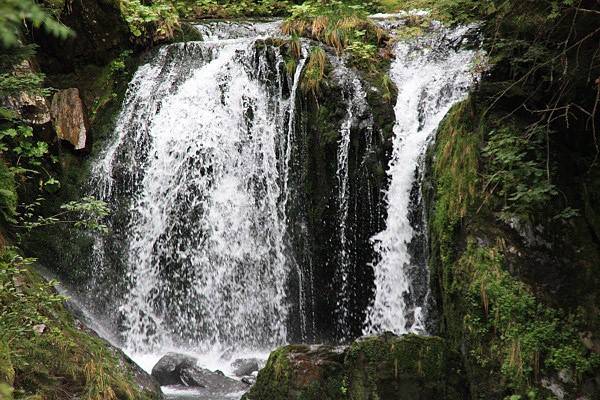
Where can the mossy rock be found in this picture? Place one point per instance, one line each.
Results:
(300, 372)
(389, 367)
(385, 367)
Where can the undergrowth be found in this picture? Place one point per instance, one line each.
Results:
(527, 339)
(42, 352)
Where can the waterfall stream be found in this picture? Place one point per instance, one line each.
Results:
(207, 175)
(206, 259)
(430, 76)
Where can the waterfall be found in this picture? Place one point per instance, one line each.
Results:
(197, 163)
(431, 74)
(243, 209)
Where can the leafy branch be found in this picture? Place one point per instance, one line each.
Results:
(86, 214)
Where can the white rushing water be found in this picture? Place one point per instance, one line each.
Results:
(430, 76)
(201, 134)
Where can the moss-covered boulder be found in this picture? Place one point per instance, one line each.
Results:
(301, 372)
(380, 367)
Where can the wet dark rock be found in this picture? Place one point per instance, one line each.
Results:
(169, 368)
(245, 366)
(249, 380)
(216, 381)
(101, 33)
(180, 369)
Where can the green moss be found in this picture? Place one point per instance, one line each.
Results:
(8, 194)
(384, 366)
(42, 351)
(508, 336)
(7, 372)
(274, 379)
(510, 327)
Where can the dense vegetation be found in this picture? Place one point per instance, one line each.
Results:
(512, 221)
(514, 175)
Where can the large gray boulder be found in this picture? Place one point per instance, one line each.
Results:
(168, 369)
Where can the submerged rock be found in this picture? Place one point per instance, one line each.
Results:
(383, 367)
(68, 117)
(180, 369)
(245, 366)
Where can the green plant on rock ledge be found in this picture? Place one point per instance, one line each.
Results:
(314, 72)
(511, 338)
(161, 13)
(334, 23)
(517, 171)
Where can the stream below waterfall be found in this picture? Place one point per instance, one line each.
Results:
(213, 248)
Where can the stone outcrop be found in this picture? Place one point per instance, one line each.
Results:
(382, 367)
(68, 117)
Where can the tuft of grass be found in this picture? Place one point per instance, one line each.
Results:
(314, 72)
(335, 24)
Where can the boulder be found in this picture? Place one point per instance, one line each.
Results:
(216, 381)
(301, 372)
(245, 366)
(386, 367)
(68, 117)
(180, 369)
(168, 369)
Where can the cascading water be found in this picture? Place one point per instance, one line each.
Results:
(431, 75)
(241, 219)
(203, 133)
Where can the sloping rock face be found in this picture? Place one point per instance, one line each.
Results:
(68, 117)
(383, 367)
